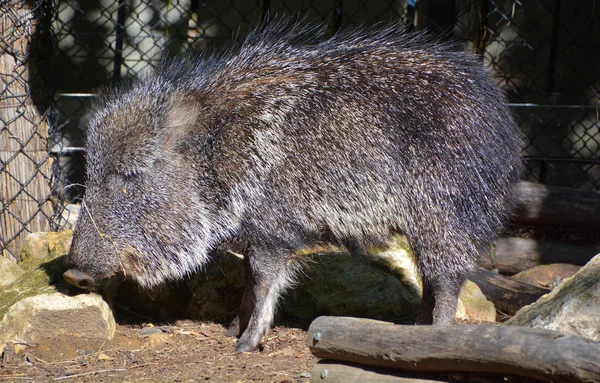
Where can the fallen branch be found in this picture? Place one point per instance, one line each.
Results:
(534, 353)
(507, 295)
(90, 373)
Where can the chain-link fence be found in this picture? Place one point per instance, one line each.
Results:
(25, 166)
(543, 53)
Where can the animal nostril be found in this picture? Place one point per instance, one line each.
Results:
(79, 279)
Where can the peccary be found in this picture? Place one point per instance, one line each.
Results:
(282, 143)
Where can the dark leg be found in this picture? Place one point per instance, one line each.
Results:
(355, 247)
(440, 297)
(270, 276)
(239, 324)
(443, 265)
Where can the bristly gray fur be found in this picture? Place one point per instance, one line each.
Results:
(289, 139)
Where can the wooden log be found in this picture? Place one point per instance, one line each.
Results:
(328, 371)
(535, 353)
(334, 372)
(537, 203)
(507, 295)
(514, 255)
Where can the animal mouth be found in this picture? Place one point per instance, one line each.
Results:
(79, 279)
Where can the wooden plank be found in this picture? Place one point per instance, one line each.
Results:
(536, 353)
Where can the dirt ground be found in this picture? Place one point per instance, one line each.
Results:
(183, 352)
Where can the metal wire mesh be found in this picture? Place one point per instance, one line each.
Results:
(25, 166)
(544, 54)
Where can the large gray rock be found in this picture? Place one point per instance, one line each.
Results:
(573, 307)
(47, 319)
(343, 285)
(9, 271)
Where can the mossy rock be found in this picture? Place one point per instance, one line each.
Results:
(9, 271)
(45, 278)
(43, 256)
(40, 247)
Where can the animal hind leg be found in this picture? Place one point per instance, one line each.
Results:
(440, 298)
(443, 270)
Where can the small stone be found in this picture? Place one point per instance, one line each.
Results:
(147, 331)
(104, 357)
(158, 340)
(305, 374)
(473, 305)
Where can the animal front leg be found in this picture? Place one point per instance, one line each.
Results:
(271, 274)
(240, 323)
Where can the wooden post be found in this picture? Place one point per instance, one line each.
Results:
(25, 166)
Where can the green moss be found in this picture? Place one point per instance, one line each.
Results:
(41, 279)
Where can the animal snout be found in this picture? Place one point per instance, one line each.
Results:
(79, 279)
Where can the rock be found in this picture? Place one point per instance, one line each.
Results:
(55, 321)
(546, 276)
(9, 271)
(573, 306)
(473, 306)
(158, 341)
(40, 247)
(147, 331)
(384, 285)
(105, 357)
(397, 258)
(42, 279)
(337, 283)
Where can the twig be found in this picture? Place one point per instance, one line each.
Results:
(90, 373)
(36, 358)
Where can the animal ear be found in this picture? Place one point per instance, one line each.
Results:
(181, 117)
